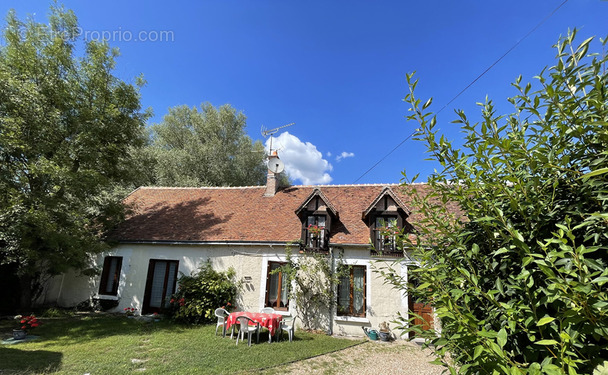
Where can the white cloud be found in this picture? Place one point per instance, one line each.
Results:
(302, 159)
(328, 154)
(345, 155)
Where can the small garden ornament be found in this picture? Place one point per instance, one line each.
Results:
(385, 332)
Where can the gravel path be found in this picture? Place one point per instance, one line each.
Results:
(398, 357)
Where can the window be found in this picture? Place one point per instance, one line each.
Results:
(277, 288)
(351, 291)
(110, 276)
(160, 285)
(385, 234)
(315, 232)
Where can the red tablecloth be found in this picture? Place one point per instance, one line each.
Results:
(269, 321)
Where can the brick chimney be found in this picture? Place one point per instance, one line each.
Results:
(271, 184)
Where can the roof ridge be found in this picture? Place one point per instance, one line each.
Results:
(338, 185)
(262, 186)
(200, 187)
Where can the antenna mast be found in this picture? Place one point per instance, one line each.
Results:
(266, 133)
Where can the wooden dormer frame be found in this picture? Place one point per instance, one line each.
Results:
(386, 205)
(317, 204)
(382, 199)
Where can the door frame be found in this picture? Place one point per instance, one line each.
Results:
(146, 308)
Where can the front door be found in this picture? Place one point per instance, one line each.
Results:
(160, 285)
(423, 310)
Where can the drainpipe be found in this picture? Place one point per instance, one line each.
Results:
(330, 330)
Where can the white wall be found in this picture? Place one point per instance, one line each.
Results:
(250, 263)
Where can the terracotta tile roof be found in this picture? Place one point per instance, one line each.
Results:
(243, 214)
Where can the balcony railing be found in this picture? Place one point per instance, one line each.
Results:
(315, 240)
(386, 244)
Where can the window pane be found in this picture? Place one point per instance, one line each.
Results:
(358, 289)
(170, 283)
(158, 281)
(351, 292)
(321, 221)
(344, 295)
(273, 289)
(284, 292)
(111, 275)
(316, 220)
(277, 298)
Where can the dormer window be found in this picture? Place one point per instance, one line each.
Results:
(316, 215)
(386, 217)
(386, 232)
(316, 233)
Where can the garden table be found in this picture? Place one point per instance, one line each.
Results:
(272, 322)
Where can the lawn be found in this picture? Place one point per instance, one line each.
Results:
(113, 345)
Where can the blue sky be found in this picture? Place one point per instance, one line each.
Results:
(335, 68)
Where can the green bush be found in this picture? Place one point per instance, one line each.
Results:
(519, 279)
(201, 293)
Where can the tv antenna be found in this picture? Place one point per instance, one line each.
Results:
(270, 132)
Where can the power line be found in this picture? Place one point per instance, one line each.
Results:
(470, 84)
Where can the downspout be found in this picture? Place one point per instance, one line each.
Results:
(330, 330)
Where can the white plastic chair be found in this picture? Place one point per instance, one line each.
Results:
(221, 320)
(245, 327)
(289, 325)
(267, 310)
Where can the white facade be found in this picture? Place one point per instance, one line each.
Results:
(250, 261)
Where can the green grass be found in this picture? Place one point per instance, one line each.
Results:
(112, 345)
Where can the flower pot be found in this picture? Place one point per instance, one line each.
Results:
(19, 334)
(384, 336)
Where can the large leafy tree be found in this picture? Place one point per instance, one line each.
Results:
(519, 279)
(206, 147)
(67, 129)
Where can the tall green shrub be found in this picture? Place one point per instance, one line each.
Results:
(201, 293)
(519, 279)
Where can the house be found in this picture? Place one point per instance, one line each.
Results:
(173, 230)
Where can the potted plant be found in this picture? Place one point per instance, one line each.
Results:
(314, 230)
(26, 323)
(384, 333)
(130, 311)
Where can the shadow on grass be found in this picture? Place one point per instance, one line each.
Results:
(16, 361)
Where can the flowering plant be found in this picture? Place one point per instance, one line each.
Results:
(130, 311)
(228, 307)
(314, 229)
(27, 322)
(388, 231)
(181, 301)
